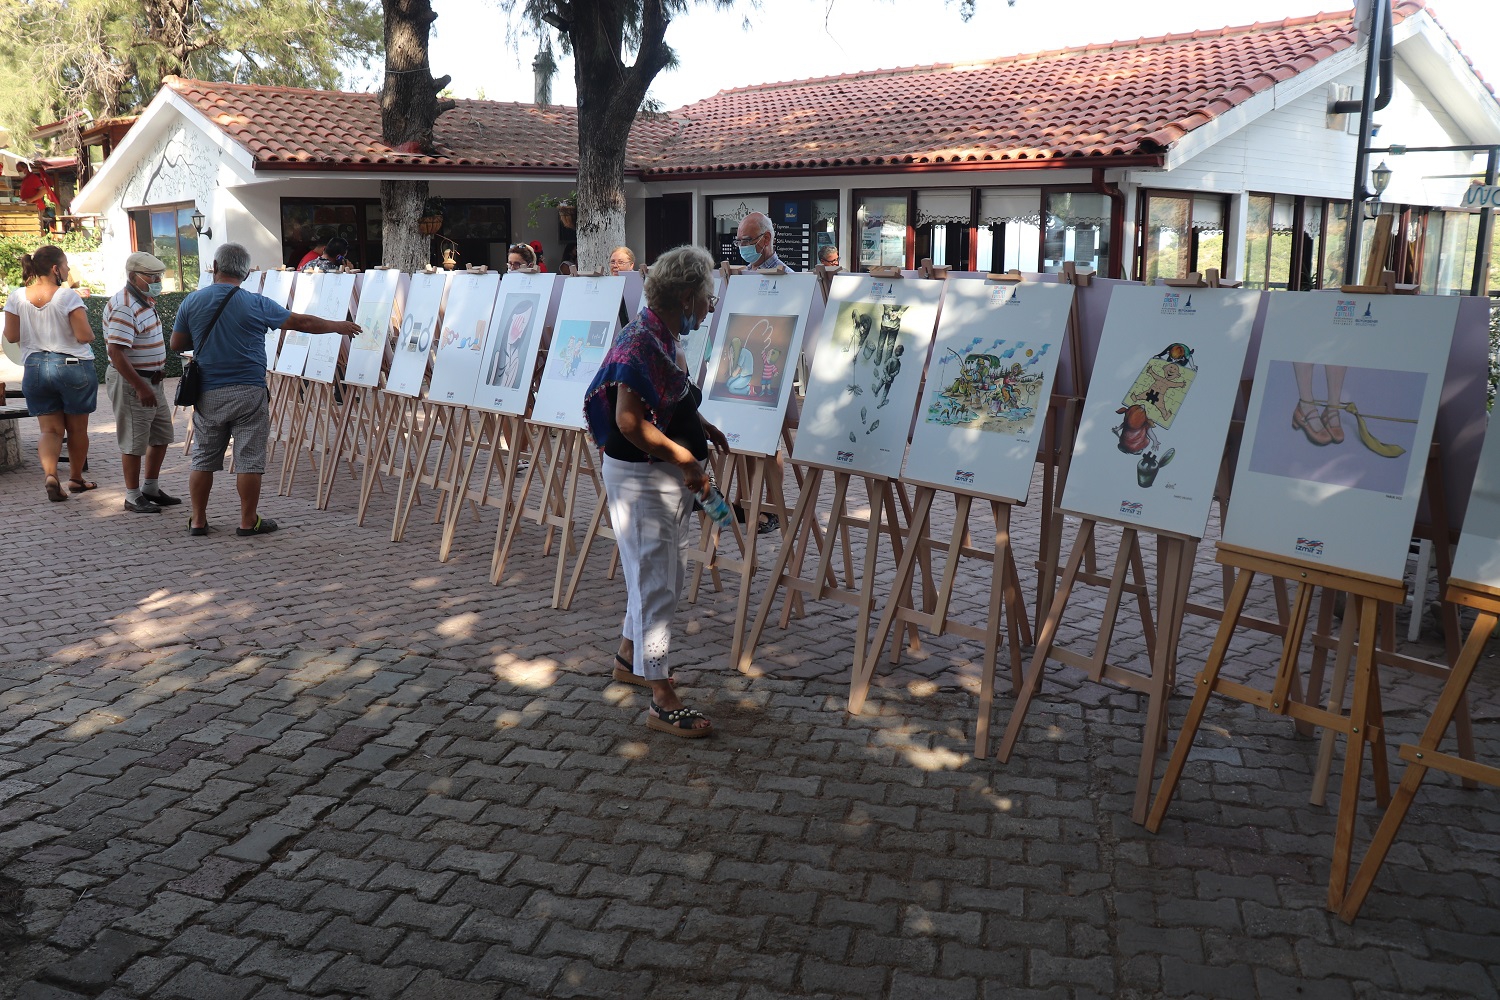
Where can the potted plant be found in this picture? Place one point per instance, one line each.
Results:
(431, 221)
(567, 208)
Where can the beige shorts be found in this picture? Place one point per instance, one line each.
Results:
(139, 427)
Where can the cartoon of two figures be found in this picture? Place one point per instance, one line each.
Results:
(1152, 403)
(878, 346)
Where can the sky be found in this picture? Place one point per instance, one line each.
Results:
(777, 40)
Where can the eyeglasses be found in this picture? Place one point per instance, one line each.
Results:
(747, 241)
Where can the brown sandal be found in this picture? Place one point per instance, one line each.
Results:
(678, 721)
(54, 489)
(81, 485)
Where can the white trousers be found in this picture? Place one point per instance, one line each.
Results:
(650, 510)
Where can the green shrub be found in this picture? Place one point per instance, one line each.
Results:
(166, 307)
(12, 248)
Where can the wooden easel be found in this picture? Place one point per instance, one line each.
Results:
(795, 542)
(392, 420)
(311, 415)
(355, 437)
(1424, 755)
(494, 434)
(1005, 599)
(450, 426)
(550, 448)
(1363, 723)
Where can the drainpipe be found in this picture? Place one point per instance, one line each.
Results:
(1116, 222)
(1379, 84)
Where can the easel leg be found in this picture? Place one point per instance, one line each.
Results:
(995, 621)
(1206, 682)
(806, 508)
(1354, 756)
(1031, 683)
(1348, 626)
(859, 678)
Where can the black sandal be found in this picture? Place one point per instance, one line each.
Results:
(678, 722)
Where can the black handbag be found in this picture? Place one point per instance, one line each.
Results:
(190, 386)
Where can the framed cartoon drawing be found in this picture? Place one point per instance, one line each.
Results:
(587, 317)
(276, 286)
(980, 419)
(378, 295)
(866, 373)
(418, 330)
(1345, 398)
(515, 337)
(461, 337)
(757, 340)
(1157, 413)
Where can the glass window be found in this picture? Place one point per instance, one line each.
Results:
(1209, 213)
(1077, 229)
(804, 223)
(882, 231)
(943, 219)
(1169, 236)
(1010, 233)
(1282, 230)
(1335, 244)
(166, 231)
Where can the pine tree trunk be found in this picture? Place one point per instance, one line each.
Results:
(409, 109)
(404, 248)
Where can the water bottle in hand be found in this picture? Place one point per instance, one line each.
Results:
(713, 503)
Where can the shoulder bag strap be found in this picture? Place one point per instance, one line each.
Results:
(215, 321)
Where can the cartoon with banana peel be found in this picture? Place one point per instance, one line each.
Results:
(1318, 419)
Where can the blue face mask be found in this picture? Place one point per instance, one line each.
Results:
(749, 254)
(153, 288)
(689, 322)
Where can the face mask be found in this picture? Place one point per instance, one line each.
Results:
(153, 288)
(749, 254)
(689, 322)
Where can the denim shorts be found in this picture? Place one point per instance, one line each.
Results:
(59, 383)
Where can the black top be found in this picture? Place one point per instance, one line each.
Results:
(685, 428)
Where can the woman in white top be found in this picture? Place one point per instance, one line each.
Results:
(50, 323)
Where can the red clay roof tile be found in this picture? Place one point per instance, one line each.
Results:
(1120, 99)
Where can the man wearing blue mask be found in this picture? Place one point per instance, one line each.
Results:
(756, 240)
(137, 359)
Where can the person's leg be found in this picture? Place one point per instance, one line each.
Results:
(248, 485)
(1307, 416)
(78, 445)
(130, 469)
(1334, 374)
(155, 456)
(200, 484)
(49, 445)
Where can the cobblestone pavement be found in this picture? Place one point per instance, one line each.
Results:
(322, 764)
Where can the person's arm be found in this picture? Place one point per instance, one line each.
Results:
(13, 328)
(630, 417)
(182, 337)
(315, 324)
(715, 436)
(78, 321)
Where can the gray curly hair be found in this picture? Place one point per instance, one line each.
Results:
(681, 271)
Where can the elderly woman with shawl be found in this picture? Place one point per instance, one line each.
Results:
(642, 411)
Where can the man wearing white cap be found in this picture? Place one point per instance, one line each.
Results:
(137, 359)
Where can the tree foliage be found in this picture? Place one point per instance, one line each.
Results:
(109, 56)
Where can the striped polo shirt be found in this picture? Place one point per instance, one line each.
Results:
(135, 326)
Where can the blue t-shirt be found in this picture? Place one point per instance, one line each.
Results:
(236, 353)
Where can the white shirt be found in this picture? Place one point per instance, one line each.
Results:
(48, 328)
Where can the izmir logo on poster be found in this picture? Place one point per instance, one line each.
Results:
(1310, 547)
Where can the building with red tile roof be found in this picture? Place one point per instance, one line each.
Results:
(1140, 158)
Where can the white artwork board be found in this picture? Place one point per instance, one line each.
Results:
(325, 296)
(466, 323)
(762, 321)
(515, 337)
(1346, 504)
(417, 332)
(1478, 557)
(984, 404)
(695, 345)
(378, 294)
(587, 317)
(1154, 425)
(867, 361)
(276, 286)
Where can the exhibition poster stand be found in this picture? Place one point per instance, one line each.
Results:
(1424, 754)
(449, 423)
(979, 332)
(399, 400)
(751, 478)
(360, 435)
(883, 493)
(592, 307)
(1366, 593)
(1176, 550)
(314, 413)
(500, 433)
